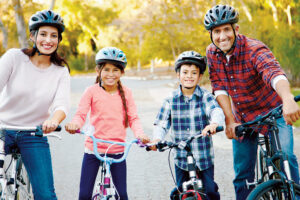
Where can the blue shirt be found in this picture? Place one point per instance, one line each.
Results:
(187, 116)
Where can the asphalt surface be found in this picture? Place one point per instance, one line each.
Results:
(148, 173)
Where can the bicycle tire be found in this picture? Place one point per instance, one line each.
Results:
(272, 189)
(24, 190)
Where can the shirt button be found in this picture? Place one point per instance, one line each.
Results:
(187, 129)
(243, 113)
(231, 76)
(234, 90)
(238, 103)
(226, 64)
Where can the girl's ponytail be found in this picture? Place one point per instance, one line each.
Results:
(122, 94)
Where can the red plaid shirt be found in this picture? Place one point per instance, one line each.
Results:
(246, 77)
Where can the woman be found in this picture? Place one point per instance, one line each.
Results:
(35, 89)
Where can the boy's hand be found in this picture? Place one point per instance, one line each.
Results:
(153, 147)
(144, 138)
(212, 128)
(71, 127)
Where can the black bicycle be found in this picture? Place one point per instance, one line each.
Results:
(275, 181)
(14, 182)
(193, 188)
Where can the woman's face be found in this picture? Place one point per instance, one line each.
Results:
(47, 39)
(110, 75)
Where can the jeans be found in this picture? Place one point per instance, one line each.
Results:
(35, 154)
(207, 177)
(89, 170)
(244, 158)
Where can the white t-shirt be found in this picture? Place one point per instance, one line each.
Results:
(28, 94)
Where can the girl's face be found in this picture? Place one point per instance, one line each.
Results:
(46, 39)
(110, 75)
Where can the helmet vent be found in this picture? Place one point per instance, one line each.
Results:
(105, 53)
(233, 14)
(35, 19)
(49, 12)
(56, 16)
(212, 18)
(45, 17)
(224, 15)
(217, 12)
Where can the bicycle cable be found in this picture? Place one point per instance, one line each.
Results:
(172, 171)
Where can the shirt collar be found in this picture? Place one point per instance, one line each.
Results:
(178, 93)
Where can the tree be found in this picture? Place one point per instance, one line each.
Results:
(5, 35)
(20, 23)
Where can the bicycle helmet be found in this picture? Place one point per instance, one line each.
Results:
(46, 17)
(220, 14)
(191, 57)
(112, 55)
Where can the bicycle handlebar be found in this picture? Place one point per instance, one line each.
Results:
(106, 159)
(31, 130)
(164, 145)
(245, 128)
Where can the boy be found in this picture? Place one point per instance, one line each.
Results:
(191, 110)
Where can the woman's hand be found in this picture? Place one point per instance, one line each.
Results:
(71, 127)
(49, 125)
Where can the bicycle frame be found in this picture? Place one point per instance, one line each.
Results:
(12, 179)
(194, 186)
(274, 152)
(106, 189)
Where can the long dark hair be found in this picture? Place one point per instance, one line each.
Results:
(55, 58)
(120, 88)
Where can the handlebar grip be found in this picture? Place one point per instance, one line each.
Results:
(148, 149)
(297, 98)
(220, 128)
(58, 128)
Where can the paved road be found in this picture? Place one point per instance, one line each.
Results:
(149, 176)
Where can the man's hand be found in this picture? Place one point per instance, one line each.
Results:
(230, 130)
(290, 110)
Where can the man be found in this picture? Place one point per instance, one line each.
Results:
(247, 71)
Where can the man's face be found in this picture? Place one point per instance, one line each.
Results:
(223, 36)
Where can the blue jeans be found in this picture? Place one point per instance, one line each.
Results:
(244, 158)
(207, 177)
(36, 157)
(89, 170)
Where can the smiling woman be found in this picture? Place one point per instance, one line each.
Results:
(41, 99)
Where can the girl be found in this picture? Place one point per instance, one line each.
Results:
(33, 82)
(112, 111)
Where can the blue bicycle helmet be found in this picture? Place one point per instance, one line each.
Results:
(191, 57)
(48, 18)
(220, 14)
(112, 55)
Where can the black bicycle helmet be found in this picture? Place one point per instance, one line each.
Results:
(191, 57)
(46, 17)
(112, 55)
(220, 14)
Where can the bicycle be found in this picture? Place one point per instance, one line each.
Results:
(279, 184)
(104, 187)
(193, 188)
(14, 182)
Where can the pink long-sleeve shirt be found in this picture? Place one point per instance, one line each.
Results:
(107, 117)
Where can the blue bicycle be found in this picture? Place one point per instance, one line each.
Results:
(104, 187)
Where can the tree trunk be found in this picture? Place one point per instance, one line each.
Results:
(288, 13)
(274, 10)
(20, 24)
(52, 5)
(246, 10)
(5, 35)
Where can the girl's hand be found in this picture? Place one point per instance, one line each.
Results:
(49, 126)
(153, 148)
(209, 128)
(71, 127)
(144, 138)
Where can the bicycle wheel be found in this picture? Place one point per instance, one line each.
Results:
(24, 190)
(272, 189)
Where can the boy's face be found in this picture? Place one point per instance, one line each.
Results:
(189, 75)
